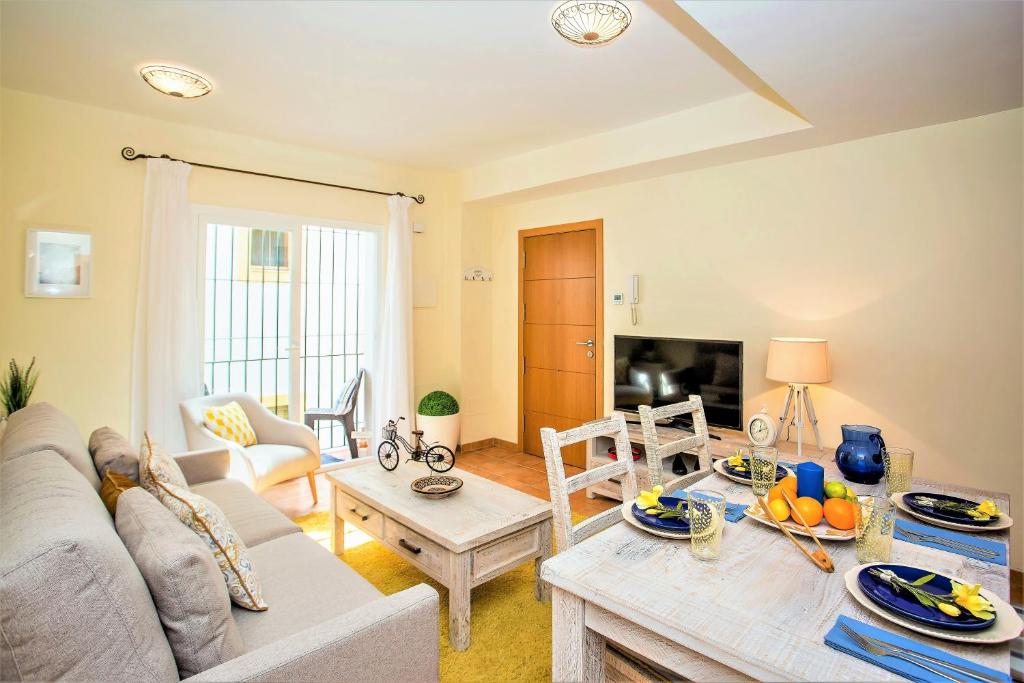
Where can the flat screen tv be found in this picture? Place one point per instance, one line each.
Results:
(656, 371)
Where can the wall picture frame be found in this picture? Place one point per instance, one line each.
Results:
(58, 263)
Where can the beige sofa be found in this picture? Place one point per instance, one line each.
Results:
(73, 604)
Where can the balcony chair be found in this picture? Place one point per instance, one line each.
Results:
(284, 450)
(344, 411)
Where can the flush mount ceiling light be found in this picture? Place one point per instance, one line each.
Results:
(591, 22)
(170, 80)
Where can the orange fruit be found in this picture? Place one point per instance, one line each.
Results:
(789, 484)
(809, 510)
(779, 509)
(839, 512)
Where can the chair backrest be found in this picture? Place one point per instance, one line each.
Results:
(193, 409)
(696, 442)
(346, 402)
(567, 535)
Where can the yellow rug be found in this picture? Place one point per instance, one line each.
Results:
(511, 630)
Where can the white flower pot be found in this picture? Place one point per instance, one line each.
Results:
(443, 429)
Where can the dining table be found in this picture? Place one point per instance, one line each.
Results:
(759, 612)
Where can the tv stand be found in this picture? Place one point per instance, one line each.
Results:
(725, 442)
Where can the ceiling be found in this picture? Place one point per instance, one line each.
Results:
(442, 84)
(473, 84)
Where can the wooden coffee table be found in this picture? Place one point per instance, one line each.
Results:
(478, 533)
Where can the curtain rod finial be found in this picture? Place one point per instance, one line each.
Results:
(128, 153)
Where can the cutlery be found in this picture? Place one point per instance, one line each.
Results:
(820, 556)
(933, 660)
(880, 652)
(949, 543)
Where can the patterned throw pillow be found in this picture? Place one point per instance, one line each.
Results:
(157, 465)
(230, 422)
(210, 523)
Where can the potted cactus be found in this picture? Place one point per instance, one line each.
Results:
(438, 417)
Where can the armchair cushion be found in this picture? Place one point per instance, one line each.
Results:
(230, 422)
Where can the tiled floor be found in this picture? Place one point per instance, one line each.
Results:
(512, 468)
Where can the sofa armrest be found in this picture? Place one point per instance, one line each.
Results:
(205, 465)
(391, 639)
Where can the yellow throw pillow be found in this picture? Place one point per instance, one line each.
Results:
(114, 484)
(230, 422)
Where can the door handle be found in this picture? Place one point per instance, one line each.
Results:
(589, 342)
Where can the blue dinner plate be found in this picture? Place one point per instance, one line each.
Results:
(678, 525)
(780, 471)
(911, 499)
(906, 605)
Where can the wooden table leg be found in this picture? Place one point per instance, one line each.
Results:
(458, 601)
(577, 653)
(542, 589)
(337, 528)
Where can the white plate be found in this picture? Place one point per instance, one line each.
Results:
(825, 533)
(627, 514)
(1004, 521)
(1007, 627)
(719, 466)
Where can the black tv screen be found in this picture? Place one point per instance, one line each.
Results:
(656, 371)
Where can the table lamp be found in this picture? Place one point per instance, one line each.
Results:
(799, 361)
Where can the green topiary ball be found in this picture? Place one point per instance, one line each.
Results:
(437, 404)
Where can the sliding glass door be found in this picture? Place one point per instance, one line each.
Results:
(288, 310)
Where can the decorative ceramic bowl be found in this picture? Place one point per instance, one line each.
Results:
(436, 485)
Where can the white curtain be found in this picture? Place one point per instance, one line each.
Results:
(165, 352)
(391, 380)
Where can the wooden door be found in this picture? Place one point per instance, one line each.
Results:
(560, 332)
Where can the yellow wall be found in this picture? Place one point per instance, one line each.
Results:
(61, 166)
(904, 250)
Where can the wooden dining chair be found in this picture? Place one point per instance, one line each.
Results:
(567, 535)
(657, 452)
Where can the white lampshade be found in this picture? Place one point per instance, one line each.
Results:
(797, 360)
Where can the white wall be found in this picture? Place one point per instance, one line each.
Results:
(904, 250)
(61, 166)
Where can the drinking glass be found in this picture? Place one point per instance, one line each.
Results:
(763, 461)
(875, 516)
(899, 469)
(706, 510)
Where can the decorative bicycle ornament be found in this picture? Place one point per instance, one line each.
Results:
(438, 458)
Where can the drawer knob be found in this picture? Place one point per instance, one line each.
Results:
(409, 546)
(363, 517)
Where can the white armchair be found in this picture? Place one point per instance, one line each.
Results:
(284, 450)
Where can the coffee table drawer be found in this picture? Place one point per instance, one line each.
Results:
(420, 550)
(360, 514)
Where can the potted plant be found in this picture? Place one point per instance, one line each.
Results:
(438, 417)
(16, 388)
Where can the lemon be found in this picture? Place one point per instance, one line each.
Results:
(779, 509)
(835, 489)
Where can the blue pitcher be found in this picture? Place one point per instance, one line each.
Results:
(859, 456)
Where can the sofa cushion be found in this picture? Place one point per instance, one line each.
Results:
(41, 427)
(305, 585)
(157, 466)
(72, 602)
(210, 524)
(183, 579)
(114, 484)
(111, 451)
(254, 519)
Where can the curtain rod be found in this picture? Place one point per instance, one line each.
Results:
(129, 154)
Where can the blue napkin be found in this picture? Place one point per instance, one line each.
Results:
(838, 640)
(972, 539)
(734, 512)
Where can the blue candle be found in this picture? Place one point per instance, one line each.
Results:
(810, 481)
